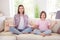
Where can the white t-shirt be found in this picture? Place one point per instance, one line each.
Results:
(21, 24)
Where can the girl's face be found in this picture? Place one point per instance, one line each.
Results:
(43, 16)
(21, 9)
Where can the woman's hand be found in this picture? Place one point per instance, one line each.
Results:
(6, 23)
(33, 24)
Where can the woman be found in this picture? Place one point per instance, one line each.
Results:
(21, 22)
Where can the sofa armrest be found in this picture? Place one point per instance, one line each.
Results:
(8, 23)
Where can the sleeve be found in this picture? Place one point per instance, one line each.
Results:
(26, 20)
(15, 21)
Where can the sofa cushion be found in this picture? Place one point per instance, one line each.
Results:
(8, 22)
(7, 38)
(10, 36)
(32, 21)
(56, 27)
(2, 18)
(58, 31)
(54, 36)
(6, 34)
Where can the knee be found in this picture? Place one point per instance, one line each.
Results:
(11, 28)
(29, 28)
(36, 31)
(49, 31)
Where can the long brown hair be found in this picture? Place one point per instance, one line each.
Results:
(18, 8)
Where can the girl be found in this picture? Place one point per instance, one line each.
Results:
(43, 25)
(21, 22)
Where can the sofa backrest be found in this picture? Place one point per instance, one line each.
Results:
(34, 20)
(8, 22)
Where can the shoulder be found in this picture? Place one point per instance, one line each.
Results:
(16, 15)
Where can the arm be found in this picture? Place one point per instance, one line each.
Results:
(33, 24)
(15, 24)
(52, 25)
(49, 27)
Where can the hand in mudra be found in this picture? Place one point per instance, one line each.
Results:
(33, 24)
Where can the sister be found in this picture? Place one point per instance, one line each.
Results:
(43, 25)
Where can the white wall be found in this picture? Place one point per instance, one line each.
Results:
(8, 7)
(42, 4)
(12, 8)
(4, 7)
(29, 7)
(51, 6)
(0, 6)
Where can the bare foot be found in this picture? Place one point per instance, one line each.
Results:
(25, 33)
(43, 34)
(32, 33)
(48, 34)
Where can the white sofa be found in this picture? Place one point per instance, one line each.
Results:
(10, 36)
(6, 35)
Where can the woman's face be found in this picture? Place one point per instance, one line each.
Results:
(43, 16)
(21, 9)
